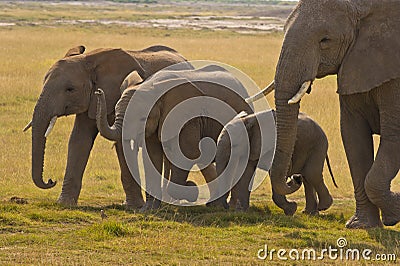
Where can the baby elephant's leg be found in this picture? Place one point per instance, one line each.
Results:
(313, 173)
(240, 194)
(311, 198)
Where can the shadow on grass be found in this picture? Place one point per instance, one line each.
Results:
(386, 237)
(207, 216)
(219, 217)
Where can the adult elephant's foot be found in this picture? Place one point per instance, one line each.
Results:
(391, 210)
(67, 201)
(365, 217)
(325, 202)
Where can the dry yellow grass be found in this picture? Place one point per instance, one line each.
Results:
(24, 64)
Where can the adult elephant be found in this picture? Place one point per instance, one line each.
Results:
(68, 89)
(173, 112)
(360, 42)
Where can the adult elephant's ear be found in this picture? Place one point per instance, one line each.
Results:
(75, 51)
(107, 70)
(374, 57)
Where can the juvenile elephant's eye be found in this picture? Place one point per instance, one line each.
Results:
(70, 89)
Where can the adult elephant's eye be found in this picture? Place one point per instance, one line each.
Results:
(325, 39)
(70, 89)
(324, 43)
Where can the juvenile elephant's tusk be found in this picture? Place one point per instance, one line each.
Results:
(300, 93)
(28, 126)
(270, 88)
(132, 144)
(51, 125)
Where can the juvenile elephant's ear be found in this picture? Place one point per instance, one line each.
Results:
(255, 137)
(179, 90)
(132, 79)
(374, 58)
(75, 51)
(262, 134)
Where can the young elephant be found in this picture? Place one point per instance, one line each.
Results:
(168, 132)
(307, 162)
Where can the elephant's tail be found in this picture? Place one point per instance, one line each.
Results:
(330, 171)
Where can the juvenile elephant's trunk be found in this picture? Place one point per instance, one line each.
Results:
(40, 122)
(113, 132)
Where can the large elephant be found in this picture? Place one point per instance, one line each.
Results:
(308, 160)
(153, 101)
(68, 89)
(360, 42)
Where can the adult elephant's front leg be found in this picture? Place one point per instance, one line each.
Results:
(153, 162)
(387, 161)
(358, 144)
(377, 184)
(80, 144)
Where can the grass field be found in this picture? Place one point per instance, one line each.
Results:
(42, 232)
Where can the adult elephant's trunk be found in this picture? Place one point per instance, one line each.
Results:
(113, 132)
(40, 127)
(292, 72)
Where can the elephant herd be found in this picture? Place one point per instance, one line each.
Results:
(359, 41)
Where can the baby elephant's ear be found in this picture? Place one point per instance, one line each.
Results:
(132, 79)
(75, 51)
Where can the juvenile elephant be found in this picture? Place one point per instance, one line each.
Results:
(359, 41)
(200, 92)
(308, 159)
(68, 89)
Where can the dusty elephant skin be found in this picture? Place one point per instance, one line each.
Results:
(190, 134)
(308, 161)
(68, 89)
(360, 42)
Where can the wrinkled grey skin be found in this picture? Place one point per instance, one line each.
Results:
(359, 41)
(69, 88)
(190, 134)
(308, 161)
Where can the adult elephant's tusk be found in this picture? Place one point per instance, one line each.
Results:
(51, 125)
(28, 126)
(267, 90)
(300, 93)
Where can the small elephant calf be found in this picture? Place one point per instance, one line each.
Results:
(307, 162)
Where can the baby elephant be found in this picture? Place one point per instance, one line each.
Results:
(307, 162)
